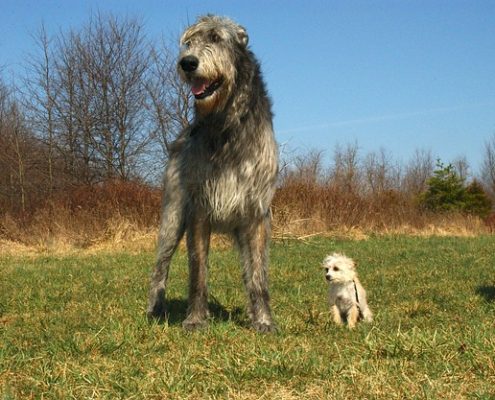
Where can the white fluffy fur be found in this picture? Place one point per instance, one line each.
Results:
(345, 305)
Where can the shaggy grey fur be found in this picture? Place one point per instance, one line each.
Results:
(222, 170)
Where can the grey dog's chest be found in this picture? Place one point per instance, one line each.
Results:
(222, 181)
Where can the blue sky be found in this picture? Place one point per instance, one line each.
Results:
(399, 75)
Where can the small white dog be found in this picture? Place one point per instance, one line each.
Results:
(347, 296)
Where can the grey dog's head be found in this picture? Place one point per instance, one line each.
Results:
(210, 50)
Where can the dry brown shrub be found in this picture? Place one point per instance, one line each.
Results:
(302, 208)
(125, 215)
(84, 216)
(490, 223)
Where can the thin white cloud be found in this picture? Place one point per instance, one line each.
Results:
(391, 117)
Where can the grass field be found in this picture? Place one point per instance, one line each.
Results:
(74, 327)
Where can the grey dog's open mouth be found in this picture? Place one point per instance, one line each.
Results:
(202, 88)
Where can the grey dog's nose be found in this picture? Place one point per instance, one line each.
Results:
(189, 63)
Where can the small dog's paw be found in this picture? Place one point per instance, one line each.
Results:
(264, 327)
(194, 324)
(368, 319)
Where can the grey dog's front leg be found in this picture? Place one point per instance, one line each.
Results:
(169, 237)
(198, 242)
(171, 232)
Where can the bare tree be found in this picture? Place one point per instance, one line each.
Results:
(345, 171)
(417, 172)
(90, 98)
(40, 101)
(380, 172)
(115, 60)
(4, 101)
(306, 168)
(19, 154)
(72, 110)
(488, 167)
(461, 166)
(5, 176)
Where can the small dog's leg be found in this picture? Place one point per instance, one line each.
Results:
(352, 316)
(366, 313)
(337, 318)
(198, 242)
(253, 244)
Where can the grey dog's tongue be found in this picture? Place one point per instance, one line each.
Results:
(199, 86)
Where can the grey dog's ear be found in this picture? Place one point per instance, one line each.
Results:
(242, 36)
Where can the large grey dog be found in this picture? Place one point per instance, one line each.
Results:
(222, 170)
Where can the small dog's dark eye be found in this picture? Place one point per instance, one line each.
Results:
(335, 268)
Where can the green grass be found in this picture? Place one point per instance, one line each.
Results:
(74, 327)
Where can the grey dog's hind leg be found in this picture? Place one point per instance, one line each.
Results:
(253, 243)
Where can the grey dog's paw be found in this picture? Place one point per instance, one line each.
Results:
(264, 327)
(194, 324)
(156, 312)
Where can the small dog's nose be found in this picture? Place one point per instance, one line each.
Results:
(327, 277)
(189, 63)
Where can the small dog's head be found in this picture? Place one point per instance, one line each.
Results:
(339, 268)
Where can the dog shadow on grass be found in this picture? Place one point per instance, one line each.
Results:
(488, 292)
(177, 312)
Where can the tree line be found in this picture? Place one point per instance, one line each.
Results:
(102, 104)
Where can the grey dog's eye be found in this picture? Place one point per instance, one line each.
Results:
(186, 45)
(215, 38)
